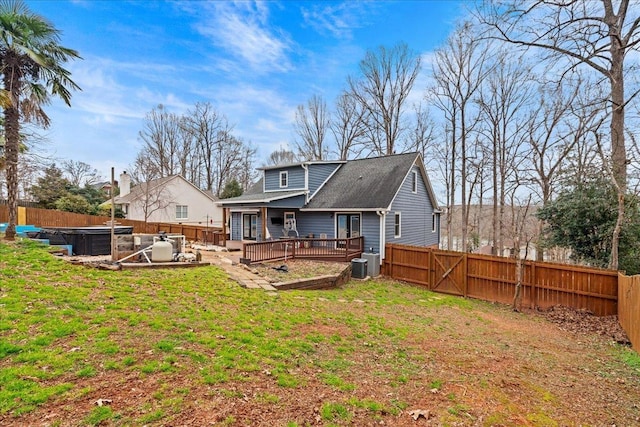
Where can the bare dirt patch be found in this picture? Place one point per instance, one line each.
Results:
(297, 269)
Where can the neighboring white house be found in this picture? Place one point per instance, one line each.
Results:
(171, 199)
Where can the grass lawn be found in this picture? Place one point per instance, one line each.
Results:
(80, 346)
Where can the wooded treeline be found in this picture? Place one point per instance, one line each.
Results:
(524, 101)
(199, 145)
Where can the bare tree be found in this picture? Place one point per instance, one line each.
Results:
(387, 77)
(153, 195)
(521, 235)
(246, 174)
(163, 139)
(311, 125)
(348, 127)
(80, 173)
(229, 158)
(281, 157)
(559, 124)
(502, 101)
(421, 136)
(210, 130)
(596, 34)
(459, 70)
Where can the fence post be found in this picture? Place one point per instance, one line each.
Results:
(465, 269)
(534, 291)
(430, 268)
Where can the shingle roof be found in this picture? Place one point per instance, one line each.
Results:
(364, 183)
(140, 190)
(255, 194)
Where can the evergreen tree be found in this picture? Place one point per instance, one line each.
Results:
(231, 189)
(50, 187)
(583, 220)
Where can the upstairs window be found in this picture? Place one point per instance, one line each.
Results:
(414, 182)
(181, 212)
(284, 179)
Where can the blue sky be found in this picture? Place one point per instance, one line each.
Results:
(253, 61)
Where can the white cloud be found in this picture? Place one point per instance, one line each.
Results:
(337, 19)
(242, 29)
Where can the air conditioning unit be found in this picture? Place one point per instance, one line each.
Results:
(359, 268)
(373, 263)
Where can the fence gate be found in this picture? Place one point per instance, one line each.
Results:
(450, 273)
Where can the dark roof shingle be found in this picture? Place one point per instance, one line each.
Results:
(364, 183)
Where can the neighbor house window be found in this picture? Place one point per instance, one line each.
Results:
(414, 182)
(433, 222)
(397, 227)
(181, 212)
(284, 179)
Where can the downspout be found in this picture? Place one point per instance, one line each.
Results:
(382, 240)
(306, 182)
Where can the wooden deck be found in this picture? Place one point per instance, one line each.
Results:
(339, 250)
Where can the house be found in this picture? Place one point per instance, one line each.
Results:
(105, 186)
(384, 199)
(171, 199)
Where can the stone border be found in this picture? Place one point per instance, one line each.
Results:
(318, 282)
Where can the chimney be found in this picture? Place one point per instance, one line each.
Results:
(125, 184)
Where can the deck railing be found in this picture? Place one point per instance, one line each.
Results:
(339, 250)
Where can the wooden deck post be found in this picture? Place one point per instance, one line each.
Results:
(224, 226)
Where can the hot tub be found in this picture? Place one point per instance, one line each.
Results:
(84, 240)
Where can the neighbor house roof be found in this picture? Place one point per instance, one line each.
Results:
(364, 183)
(140, 190)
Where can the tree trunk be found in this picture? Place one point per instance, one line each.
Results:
(12, 141)
(618, 149)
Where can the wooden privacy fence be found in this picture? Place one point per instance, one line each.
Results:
(492, 278)
(54, 218)
(629, 307)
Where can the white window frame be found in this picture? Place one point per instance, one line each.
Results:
(397, 224)
(285, 175)
(433, 222)
(185, 211)
(414, 182)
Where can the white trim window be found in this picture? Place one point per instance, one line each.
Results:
(182, 212)
(397, 225)
(414, 182)
(284, 179)
(433, 222)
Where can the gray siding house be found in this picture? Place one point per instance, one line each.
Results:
(383, 199)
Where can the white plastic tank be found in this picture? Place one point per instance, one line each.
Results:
(162, 251)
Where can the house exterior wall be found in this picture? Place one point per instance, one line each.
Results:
(318, 174)
(416, 217)
(296, 178)
(236, 226)
(370, 225)
(200, 208)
